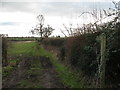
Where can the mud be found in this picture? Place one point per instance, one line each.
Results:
(48, 78)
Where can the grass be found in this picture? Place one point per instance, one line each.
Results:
(9, 68)
(26, 48)
(29, 84)
(21, 38)
(21, 48)
(14, 62)
(7, 71)
(70, 79)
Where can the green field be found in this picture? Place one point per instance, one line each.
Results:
(21, 38)
(26, 48)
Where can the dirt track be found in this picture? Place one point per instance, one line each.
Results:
(50, 78)
(47, 79)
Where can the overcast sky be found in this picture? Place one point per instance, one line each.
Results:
(17, 17)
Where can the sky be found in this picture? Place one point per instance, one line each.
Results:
(17, 17)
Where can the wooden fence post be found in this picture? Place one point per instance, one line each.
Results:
(102, 60)
(4, 52)
(0, 62)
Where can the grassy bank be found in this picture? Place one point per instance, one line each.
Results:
(7, 70)
(70, 79)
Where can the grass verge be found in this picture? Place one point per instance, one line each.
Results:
(7, 70)
(69, 78)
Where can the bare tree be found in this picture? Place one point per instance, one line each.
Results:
(47, 31)
(69, 30)
(40, 29)
(98, 24)
(63, 32)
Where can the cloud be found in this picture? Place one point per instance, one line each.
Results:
(53, 8)
(8, 23)
(17, 18)
(57, 0)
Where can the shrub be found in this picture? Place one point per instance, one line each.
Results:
(81, 53)
(62, 53)
(53, 41)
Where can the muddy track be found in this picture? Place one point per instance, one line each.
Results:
(48, 78)
(18, 74)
